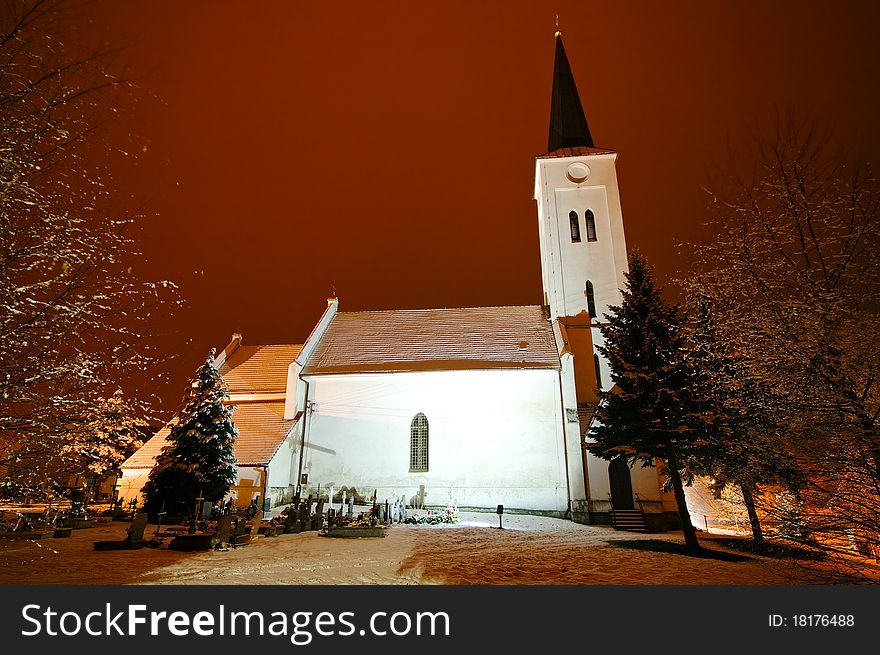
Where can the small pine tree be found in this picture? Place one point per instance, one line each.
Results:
(653, 412)
(199, 457)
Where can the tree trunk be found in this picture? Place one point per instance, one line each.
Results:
(690, 534)
(749, 500)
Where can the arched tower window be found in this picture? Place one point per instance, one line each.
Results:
(598, 372)
(418, 443)
(590, 220)
(575, 226)
(591, 300)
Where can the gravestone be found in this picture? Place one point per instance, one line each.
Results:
(305, 511)
(224, 529)
(191, 542)
(133, 540)
(402, 516)
(291, 522)
(135, 536)
(318, 521)
(239, 533)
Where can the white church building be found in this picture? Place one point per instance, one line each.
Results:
(481, 406)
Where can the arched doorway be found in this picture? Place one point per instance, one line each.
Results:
(621, 484)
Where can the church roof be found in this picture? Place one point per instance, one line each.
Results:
(578, 151)
(435, 340)
(261, 431)
(568, 125)
(254, 369)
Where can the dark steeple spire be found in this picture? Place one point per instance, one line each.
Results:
(568, 125)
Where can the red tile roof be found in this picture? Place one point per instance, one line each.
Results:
(252, 369)
(145, 456)
(579, 151)
(435, 339)
(261, 431)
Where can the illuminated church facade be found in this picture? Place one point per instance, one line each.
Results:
(480, 406)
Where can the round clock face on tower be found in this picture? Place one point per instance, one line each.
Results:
(578, 172)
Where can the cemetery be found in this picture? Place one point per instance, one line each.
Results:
(474, 550)
(217, 526)
(340, 536)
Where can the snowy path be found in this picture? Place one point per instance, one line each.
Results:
(530, 550)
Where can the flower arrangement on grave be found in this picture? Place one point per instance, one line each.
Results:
(433, 517)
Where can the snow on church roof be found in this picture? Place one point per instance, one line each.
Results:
(435, 339)
(261, 431)
(258, 371)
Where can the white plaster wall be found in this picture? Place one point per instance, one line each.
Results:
(645, 482)
(566, 266)
(572, 431)
(495, 436)
(294, 398)
(604, 366)
(281, 465)
(130, 484)
(585, 260)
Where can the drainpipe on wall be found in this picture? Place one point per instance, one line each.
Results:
(565, 445)
(302, 445)
(265, 491)
(583, 440)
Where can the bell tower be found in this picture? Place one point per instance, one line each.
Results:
(583, 248)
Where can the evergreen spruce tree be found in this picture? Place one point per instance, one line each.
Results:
(654, 411)
(199, 458)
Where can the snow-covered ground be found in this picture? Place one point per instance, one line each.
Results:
(529, 550)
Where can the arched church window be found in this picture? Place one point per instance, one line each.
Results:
(598, 371)
(590, 220)
(575, 226)
(591, 299)
(418, 443)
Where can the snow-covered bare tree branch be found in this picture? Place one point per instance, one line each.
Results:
(795, 274)
(74, 317)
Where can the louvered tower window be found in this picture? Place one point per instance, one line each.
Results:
(575, 226)
(591, 299)
(590, 221)
(598, 372)
(418, 443)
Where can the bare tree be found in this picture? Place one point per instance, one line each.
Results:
(795, 274)
(73, 317)
(746, 449)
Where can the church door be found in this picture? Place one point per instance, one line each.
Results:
(621, 484)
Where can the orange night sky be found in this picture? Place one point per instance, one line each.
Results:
(387, 148)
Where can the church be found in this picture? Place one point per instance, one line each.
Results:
(475, 406)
